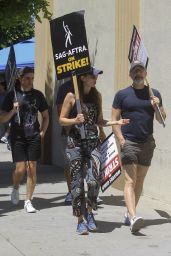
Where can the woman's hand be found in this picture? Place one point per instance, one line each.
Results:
(123, 121)
(79, 119)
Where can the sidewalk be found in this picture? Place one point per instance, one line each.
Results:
(52, 230)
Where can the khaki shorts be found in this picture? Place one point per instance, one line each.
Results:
(138, 153)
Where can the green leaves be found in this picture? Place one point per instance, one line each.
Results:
(17, 19)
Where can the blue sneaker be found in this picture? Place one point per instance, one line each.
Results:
(68, 199)
(126, 220)
(91, 224)
(82, 228)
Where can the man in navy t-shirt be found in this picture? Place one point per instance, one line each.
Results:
(136, 139)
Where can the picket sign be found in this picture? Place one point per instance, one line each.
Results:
(110, 168)
(70, 50)
(137, 51)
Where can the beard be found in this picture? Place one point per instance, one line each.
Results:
(138, 80)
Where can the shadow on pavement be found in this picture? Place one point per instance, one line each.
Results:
(163, 214)
(45, 203)
(45, 174)
(106, 227)
(6, 207)
(156, 222)
(39, 203)
(113, 200)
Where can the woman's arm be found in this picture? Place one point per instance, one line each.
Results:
(67, 106)
(104, 123)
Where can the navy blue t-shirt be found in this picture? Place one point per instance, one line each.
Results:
(135, 105)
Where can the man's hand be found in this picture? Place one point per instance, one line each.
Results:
(42, 134)
(121, 141)
(154, 101)
(15, 106)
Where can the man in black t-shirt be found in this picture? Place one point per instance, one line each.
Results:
(136, 139)
(26, 132)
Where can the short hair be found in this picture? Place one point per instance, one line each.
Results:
(26, 70)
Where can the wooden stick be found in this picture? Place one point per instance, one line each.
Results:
(78, 105)
(156, 106)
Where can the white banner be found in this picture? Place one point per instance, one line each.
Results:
(110, 164)
(137, 50)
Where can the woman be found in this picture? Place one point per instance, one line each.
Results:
(84, 154)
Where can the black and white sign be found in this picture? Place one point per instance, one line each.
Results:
(11, 70)
(110, 164)
(69, 42)
(137, 50)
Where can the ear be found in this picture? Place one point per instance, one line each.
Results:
(130, 74)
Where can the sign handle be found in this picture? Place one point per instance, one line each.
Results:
(78, 105)
(156, 108)
(18, 113)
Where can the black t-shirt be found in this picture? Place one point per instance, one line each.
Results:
(135, 105)
(62, 92)
(30, 103)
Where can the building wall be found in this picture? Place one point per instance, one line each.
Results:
(127, 14)
(156, 33)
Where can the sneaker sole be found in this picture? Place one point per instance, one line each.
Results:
(30, 211)
(93, 230)
(137, 225)
(84, 233)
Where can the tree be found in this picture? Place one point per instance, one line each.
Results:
(17, 18)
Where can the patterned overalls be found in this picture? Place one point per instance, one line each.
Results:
(84, 162)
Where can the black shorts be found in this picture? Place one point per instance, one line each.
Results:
(26, 149)
(138, 153)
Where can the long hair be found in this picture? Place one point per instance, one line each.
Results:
(91, 97)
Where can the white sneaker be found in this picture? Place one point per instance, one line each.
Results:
(15, 196)
(136, 224)
(4, 140)
(29, 207)
(99, 200)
